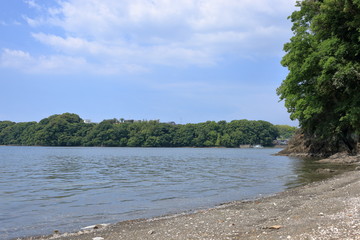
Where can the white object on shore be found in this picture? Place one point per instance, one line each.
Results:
(258, 146)
(95, 226)
(98, 238)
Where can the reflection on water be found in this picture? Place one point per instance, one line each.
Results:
(309, 170)
(44, 188)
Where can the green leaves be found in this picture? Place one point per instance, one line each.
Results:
(323, 84)
(69, 130)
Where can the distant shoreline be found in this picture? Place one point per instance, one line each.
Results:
(275, 146)
(69, 129)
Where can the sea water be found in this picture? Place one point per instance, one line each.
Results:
(48, 188)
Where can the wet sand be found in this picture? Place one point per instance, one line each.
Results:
(322, 210)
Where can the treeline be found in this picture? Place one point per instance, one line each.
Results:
(70, 130)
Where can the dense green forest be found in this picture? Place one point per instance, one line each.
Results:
(322, 88)
(69, 129)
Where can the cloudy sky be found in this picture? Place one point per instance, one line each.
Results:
(186, 61)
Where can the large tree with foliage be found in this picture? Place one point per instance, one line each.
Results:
(322, 88)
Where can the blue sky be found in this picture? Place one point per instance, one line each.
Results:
(186, 61)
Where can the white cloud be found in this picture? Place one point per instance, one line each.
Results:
(62, 64)
(32, 4)
(23, 60)
(168, 54)
(69, 44)
(14, 58)
(165, 18)
(34, 22)
(12, 23)
(163, 32)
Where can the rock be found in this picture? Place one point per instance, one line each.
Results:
(339, 155)
(151, 232)
(341, 158)
(97, 226)
(324, 170)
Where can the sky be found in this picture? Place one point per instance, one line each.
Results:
(186, 61)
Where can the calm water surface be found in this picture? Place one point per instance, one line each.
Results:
(48, 188)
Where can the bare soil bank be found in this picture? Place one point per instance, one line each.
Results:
(321, 210)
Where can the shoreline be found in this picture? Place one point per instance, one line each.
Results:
(319, 210)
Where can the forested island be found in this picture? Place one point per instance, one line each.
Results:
(68, 129)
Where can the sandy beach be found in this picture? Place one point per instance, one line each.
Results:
(322, 210)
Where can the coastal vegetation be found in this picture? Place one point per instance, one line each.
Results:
(69, 129)
(322, 88)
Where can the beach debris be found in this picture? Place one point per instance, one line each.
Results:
(56, 232)
(275, 227)
(88, 227)
(97, 226)
(151, 232)
(98, 238)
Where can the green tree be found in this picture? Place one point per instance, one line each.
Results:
(70, 130)
(226, 141)
(183, 136)
(5, 130)
(5, 124)
(322, 88)
(59, 130)
(18, 133)
(285, 131)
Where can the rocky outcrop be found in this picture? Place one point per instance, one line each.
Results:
(303, 145)
(341, 158)
(296, 147)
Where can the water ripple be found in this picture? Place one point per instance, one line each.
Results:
(43, 189)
